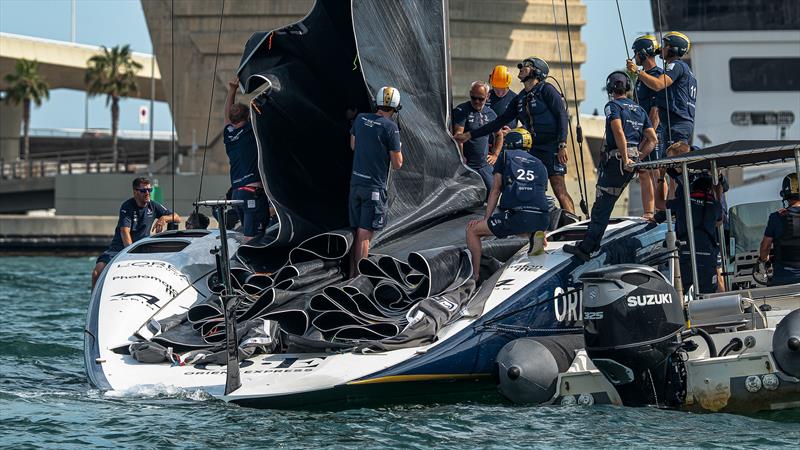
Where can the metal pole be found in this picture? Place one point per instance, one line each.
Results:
(74, 21)
(152, 101)
(232, 380)
(86, 113)
(723, 246)
(690, 224)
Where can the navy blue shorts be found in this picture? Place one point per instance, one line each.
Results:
(367, 207)
(506, 223)
(678, 132)
(106, 257)
(548, 155)
(254, 214)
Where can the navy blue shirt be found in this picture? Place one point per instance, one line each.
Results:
(634, 121)
(524, 180)
(240, 145)
(542, 112)
(783, 273)
(646, 96)
(139, 220)
(376, 136)
(500, 104)
(681, 94)
(475, 149)
(706, 212)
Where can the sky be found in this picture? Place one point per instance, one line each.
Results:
(115, 22)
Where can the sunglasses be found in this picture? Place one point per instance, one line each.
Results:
(477, 99)
(145, 190)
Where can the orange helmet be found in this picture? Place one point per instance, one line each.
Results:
(500, 78)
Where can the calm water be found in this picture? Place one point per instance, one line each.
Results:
(45, 400)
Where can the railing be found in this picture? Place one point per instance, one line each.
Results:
(15, 170)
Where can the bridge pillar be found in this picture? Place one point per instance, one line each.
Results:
(10, 121)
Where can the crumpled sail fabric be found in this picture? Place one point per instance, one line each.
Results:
(306, 77)
(312, 72)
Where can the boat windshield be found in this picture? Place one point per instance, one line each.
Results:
(748, 221)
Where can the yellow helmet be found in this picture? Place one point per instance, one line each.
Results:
(500, 78)
(790, 189)
(678, 43)
(518, 139)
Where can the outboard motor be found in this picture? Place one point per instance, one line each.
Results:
(632, 324)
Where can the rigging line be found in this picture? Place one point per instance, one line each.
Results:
(624, 39)
(210, 105)
(561, 63)
(174, 107)
(664, 66)
(578, 129)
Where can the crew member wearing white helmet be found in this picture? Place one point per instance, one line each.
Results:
(375, 139)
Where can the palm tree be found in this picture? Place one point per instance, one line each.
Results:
(113, 73)
(25, 84)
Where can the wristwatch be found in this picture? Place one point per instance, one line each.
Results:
(562, 145)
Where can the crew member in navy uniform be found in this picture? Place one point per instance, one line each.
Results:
(375, 140)
(242, 150)
(645, 48)
(501, 95)
(137, 217)
(470, 116)
(706, 216)
(543, 113)
(520, 183)
(629, 134)
(676, 109)
(783, 235)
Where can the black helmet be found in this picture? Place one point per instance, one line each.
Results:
(645, 46)
(540, 67)
(618, 81)
(789, 188)
(678, 43)
(702, 183)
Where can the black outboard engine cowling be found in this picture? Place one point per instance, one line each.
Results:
(632, 319)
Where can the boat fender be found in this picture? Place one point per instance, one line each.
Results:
(786, 344)
(528, 367)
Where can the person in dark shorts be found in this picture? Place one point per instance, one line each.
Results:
(470, 116)
(242, 150)
(138, 216)
(654, 191)
(629, 133)
(677, 108)
(542, 111)
(783, 236)
(520, 183)
(375, 140)
(706, 216)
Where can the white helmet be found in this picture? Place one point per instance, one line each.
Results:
(388, 96)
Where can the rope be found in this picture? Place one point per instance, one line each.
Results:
(624, 39)
(664, 66)
(211, 104)
(578, 129)
(174, 106)
(569, 129)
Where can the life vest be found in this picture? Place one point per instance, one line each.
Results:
(524, 182)
(787, 247)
